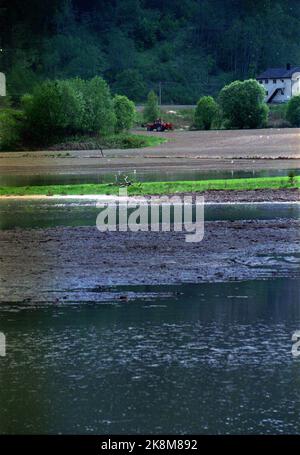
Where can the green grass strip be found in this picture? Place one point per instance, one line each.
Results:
(155, 188)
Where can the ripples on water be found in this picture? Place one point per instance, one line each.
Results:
(74, 212)
(209, 358)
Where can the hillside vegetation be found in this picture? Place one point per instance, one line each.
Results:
(193, 47)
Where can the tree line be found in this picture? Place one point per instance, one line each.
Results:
(60, 109)
(190, 46)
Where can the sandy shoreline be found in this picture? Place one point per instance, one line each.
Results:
(73, 265)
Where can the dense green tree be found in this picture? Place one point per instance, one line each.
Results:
(205, 113)
(65, 107)
(51, 111)
(151, 109)
(243, 105)
(293, 111)
(125, 113)
(98, 115)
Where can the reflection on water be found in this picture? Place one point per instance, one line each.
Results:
(51, 213)
(213, 358)
(142, 176)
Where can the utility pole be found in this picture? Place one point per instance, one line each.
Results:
(159, 92)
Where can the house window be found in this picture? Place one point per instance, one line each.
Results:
(267, 93)
(266, 81)
(282, 80)
(274, 81)
(261, 82)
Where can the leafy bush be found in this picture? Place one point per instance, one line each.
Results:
(52, 110)
(293, 111)
(5, 101)
(151, 109)
(124, 112)
(243, 105)
(205, 113)
(97, 105)
(60, 108)
(11, 128)
(127, 141)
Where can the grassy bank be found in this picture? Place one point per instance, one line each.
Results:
(156, 188)
(116, 141)
(277, 116)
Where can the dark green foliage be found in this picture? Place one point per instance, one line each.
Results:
(293, 111)
(60, 108)
(97, 115)
(131, 84)
(5, 101)
(194, 47)
(124, 112)
(292, 177)
(51, 111)
(11, 129)
(205, 113)
(70, 56)
(243, 105)
(151, 109)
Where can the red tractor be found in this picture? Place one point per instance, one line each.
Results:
(159, 125)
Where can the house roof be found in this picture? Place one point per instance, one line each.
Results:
(279, 73)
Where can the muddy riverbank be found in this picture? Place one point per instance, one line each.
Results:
(73, 265)
(185, 150)
(232, 196)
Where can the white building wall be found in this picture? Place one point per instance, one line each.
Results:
(288, 88)
(284, 85)
(296, 84)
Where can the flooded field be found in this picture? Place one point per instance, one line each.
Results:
(142, 332)
(74, 212)
(207, 358)
(192, 151)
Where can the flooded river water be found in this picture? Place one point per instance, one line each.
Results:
(45, 213)
(162, 175)
(202, 358)
(214, 359)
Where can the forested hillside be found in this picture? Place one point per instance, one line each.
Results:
(192, 46)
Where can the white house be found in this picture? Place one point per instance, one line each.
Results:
(281, 84)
